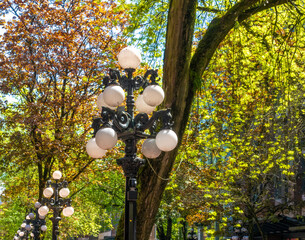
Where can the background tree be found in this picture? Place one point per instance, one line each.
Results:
(52, 55)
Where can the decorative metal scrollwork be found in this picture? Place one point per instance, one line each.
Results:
(140, 120)
(115, 78)
(121, 121)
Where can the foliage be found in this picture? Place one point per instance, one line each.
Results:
(242, 149)
(52, 56)
(147, 28)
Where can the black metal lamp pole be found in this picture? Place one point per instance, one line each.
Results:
(130, 129)
(54, 201)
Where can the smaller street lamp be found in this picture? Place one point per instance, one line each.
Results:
(55, 198)
(241, 233)
(192, 235)
(38, 223)
(30, 227)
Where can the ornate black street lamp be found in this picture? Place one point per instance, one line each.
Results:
(241, 233)
(192, 235)
(32, 226)
(117, 122)
(37, 222)
(55, 198)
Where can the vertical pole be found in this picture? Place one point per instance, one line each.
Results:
(54, 230)
(55, 220)
(56, 213)
(130, 208)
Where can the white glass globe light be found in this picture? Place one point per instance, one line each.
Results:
(129, 57)
(150, 149)
(27, 217)
(28, 227)
(101, 103)
(16, 238)
(31, 215)
(106, 138)
(43, 228)
(43, 210)
(64, 192)
(57, 175)
(21, 234)
(153, 95)
(68, 211)
(23, 225)
(142, 107)
(166, 140)
(48, 192)
(18, 231)
(113, 95)
(37, 205)
(32, 234)
(41, 217)
(93, 150)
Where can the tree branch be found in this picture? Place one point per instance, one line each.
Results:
(218, 30)
(262, 7)
(207, 9)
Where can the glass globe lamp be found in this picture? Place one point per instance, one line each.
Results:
(48, 192)
(21, 234)
(23, 225)
(153, 95)
(57, 175)
(150, 149)
(68, 211)
(64, 192)
(106, 138)
(43, 211)
(43, 228)
(28, 227)
(101, 103)
(31, 215)
(166, 140)
(113, 95)
(93, 150)
(142, 106)
(129, 57)
(37, 204)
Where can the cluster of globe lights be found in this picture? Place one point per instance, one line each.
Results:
(63, 193)
(113, 96)
(26, 228)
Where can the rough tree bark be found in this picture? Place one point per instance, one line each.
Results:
(181, 79)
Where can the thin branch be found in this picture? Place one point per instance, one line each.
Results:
(81, 170)
(207, 9)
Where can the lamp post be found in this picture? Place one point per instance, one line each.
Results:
(119, 122)
(192, 235)
(241, 233)
(55, 198)
(37, 222)
(31, 226)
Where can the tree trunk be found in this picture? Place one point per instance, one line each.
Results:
(179, 95)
